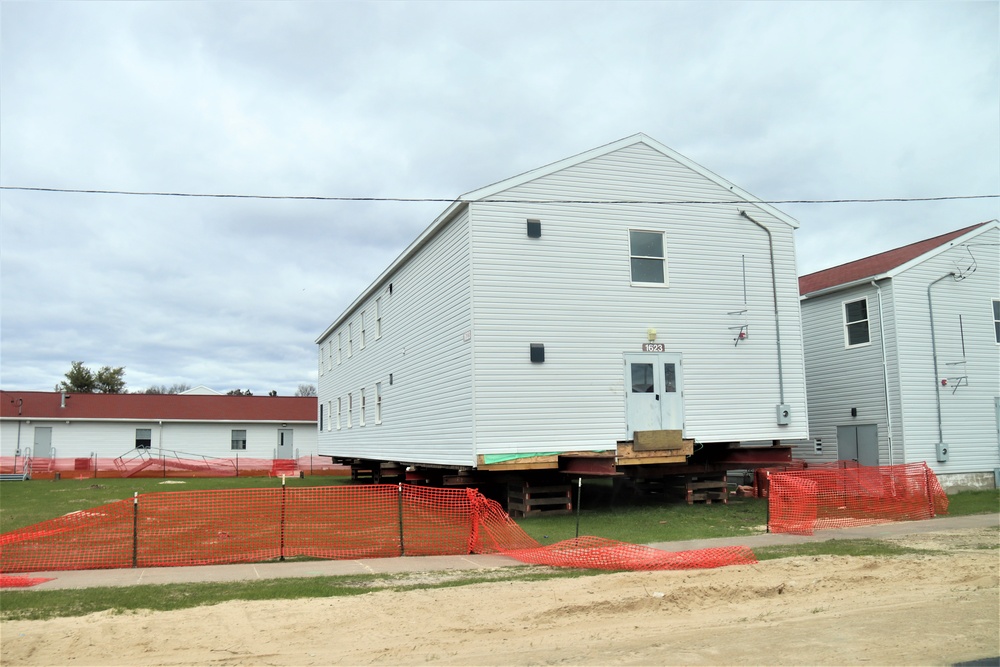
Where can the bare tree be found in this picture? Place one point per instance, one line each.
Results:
(306, 390)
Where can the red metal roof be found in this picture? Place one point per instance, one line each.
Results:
(875, 265)
(175, 407)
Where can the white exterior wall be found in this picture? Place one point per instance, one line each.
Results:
(969, 419)
(570, 290)
(841, 378)
(111, 439)
(427, 410)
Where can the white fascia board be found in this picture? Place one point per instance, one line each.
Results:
(964, 238)
(147, 420)
(425, 236)
(528, 176)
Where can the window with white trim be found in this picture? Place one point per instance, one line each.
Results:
(647, 257)
(340, 410)
(340, 346)
(350, 339)
(856, 331)
(996, 319)
(350, 410)
(362, 345)
(321, 406)
(361, 408)
(378, 318)
(378, 402)
(322, 359)
(239, 439)
(329, 422)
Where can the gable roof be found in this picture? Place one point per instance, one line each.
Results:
(876, 265)
(156, 407)
(484, 193)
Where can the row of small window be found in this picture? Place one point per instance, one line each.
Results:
(144, 438)
(856, 330)
(326, 351)
(346, 408)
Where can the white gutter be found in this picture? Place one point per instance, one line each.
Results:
(774, 293)
(885, 368)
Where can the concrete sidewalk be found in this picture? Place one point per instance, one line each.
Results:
(272, 570)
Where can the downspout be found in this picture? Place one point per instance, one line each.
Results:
(885, 367)
(774, 293)
(937, 390)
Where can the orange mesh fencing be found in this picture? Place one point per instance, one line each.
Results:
(154, 464)
(336, 522)
(829, 496)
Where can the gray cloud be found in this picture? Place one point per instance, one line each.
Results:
(788, 100)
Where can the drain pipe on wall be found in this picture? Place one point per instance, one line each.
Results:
(885, 367)
(942, 449)
(777, 327)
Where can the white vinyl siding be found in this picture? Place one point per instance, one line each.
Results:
(568, 291)
(426, 409)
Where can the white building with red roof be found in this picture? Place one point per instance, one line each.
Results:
(69, 428)
(902, 354)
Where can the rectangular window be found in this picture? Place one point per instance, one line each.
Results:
(856, 323)
(340, 411)
(996, 319)
(321, 416)
(340, 346)
(362, 345)
(378, 402)
(378, 317)
(143, 438)
(239, 439)
(361, 408)
(350, 410)
(322, 359)
(350, 339)
(642, 378)
(648, 260)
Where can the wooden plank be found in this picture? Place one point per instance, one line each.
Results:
(626, 450)
(651, 441)
(651, 460)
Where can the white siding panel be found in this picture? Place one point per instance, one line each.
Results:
(842, 378)
(968, 417)
(427, 407)
(570, 290)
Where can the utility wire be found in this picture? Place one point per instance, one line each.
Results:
(501, 201)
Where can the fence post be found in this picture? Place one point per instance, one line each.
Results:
(767, 515)
(135, 530)
(402, 547)
(927, 489)
(282, 546)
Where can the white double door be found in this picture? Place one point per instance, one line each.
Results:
(654, 397)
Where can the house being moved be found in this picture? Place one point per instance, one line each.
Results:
(903, 357)
(621, 309)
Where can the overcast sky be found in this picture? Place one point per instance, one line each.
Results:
(787, 100)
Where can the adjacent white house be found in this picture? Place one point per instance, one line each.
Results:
(66, 426)
(903, 357)
(620, 290)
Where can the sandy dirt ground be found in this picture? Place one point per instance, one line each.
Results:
(925, 609)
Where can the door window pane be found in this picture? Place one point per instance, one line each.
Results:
(642, 378)
(670, 378)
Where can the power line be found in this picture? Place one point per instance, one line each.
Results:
(498, 201)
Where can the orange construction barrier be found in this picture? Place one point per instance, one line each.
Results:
(334, 522)
(835, 496)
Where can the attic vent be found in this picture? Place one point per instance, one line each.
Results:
(537, 353)
(534, 229)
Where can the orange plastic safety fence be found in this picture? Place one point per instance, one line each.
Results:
(8, 581)
(153, 464)
(829, 496)
(337, 522)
